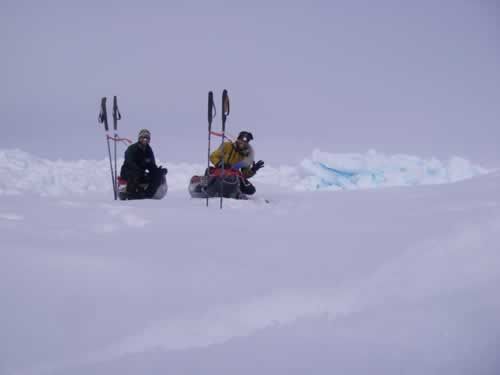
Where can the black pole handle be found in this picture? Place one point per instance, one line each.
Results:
(225, 105)
(103, 115)
(116, 113)
(211, 109)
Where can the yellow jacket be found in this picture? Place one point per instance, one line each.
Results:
(232, 156)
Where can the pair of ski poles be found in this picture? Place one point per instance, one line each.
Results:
(103, 118)
(211, 115)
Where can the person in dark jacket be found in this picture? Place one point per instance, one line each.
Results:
(140, 167)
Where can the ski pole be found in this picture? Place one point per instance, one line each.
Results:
(211, 115)
(116, 116)
(225, 113)
(103, 118)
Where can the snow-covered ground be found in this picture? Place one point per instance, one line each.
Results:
(327, 278)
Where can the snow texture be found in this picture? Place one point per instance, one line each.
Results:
(391, 281)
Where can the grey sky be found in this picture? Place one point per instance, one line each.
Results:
(397, 76)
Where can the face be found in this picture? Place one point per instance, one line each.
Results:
(241, 145)
(144, 140)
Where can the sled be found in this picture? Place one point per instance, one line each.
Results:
(215, 182)
(159, 194)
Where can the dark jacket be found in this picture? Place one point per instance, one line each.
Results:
(137, 160)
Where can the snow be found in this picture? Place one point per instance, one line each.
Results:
(360, 264)
(21, 172)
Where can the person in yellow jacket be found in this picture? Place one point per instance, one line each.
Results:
(239, 155)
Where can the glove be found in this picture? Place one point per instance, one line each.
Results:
(162, 171)
(258, 165)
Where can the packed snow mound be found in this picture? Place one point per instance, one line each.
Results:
(372, 170)
(21, 172)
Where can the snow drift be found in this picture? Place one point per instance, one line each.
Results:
(21, 172)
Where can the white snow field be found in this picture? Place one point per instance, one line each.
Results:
(359, 264)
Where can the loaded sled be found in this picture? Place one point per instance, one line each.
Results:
(217, 182)
(141, 194)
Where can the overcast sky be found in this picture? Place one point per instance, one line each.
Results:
(418, 77)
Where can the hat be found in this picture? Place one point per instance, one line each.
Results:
(245, 136)
(144, 133)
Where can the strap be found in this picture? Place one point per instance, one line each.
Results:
(119, 139)
(218, 134)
